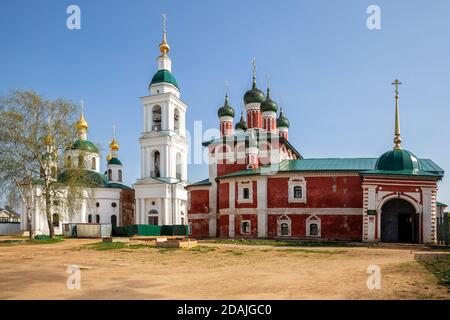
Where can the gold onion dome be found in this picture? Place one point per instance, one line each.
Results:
(48, 140)
(164, 46)
(114, 145)
(82, 123)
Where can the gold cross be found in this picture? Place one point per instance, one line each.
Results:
(396, 83)
(164, 21)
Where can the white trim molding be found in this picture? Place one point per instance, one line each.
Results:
(241, 186)
(284, 219)
(313, 220)
(297, 182)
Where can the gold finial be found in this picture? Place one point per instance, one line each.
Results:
(397, 138)
(164, 46)
(82, 123)
(114, 145)
(109, 156)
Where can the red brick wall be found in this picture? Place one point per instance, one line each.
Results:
(332, 226)
(224, 226)
(224, 195)
(200, 228)
(320, 193)
(199, 201)
(253, 225)
(254, 204)
(223, 169)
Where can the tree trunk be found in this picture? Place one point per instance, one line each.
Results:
(49, 213)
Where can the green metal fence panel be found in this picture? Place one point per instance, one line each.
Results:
(150, 230)
(443, 231)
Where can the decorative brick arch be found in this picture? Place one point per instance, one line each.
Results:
(407, 198)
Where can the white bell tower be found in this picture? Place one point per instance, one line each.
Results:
(160, 194)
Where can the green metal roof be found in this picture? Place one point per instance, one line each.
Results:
(90, 179)
(164, 75)
(398, 159)
(440, 204)
(226, 110)
(205, 182)
(84, 145)
(361, 165)
(115, 161)
(117, 186)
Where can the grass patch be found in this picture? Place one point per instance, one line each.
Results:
(44, 240)
(312, 251)
(235, 252)
(101, 246)
(279, 243)
(440, 268)
(202, 249)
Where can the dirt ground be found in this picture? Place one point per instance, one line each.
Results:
(213, 271)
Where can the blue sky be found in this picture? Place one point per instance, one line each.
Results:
(332, 74)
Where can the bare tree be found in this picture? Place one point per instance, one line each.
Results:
(34, 134)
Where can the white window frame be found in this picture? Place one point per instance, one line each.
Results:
(281, 220)
(241, 186)
(297, 182)
(313, 220)
(249, 227)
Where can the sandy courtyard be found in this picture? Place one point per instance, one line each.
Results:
(213, 271)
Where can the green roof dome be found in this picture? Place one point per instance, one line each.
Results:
(84, 145)
(241, 125)
(226, 110)
(398, 159)
(282, 121)
(114, 161)
(83, 177)
(254, 94)
(164, 75)
(269, 104)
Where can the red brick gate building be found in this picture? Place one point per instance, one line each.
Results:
(260, 186)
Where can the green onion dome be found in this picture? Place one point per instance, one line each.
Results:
(115, 161)
(398, 159)
(254, 94)
(84, 145)
(226, 110)
(241, 125)
(269, 104)
(282, 121)
(164, 75)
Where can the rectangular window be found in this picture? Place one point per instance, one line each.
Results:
(298, 192)
(246, 193)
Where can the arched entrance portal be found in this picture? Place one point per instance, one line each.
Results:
(399, 222)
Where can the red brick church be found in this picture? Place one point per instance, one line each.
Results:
(260, 186)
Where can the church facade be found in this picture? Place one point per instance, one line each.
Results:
(105, 199)
(260, 186)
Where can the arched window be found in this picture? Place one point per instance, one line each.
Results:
(153, 217)
(156, 162)
(94, 163)
(109, 174)
(90, 218)
(120, 175)
(114, 220)
(156, 118)
(313, 226)
(298, 192)
(80, 161)
(176, 120)
(179, 166)
(246, 193)
(55, 220)
(284, 229)
(97, 218)
(245, 227)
